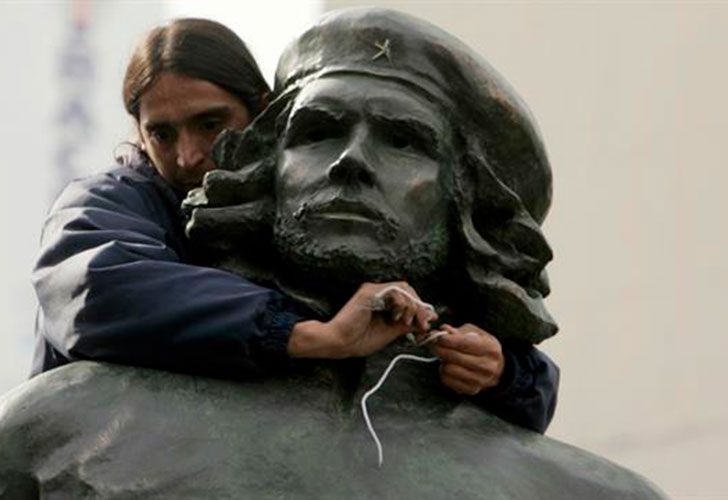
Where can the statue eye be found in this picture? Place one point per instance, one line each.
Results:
(320, 133)
(314, 133)
(408, 135)
(312, 127)
(399, 141)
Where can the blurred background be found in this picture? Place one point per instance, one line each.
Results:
(631, 100)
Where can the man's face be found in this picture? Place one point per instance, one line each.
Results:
(360, 176)
(179, 119)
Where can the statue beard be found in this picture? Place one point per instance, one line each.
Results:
(335, 272)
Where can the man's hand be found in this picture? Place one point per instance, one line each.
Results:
(377, 314)
(471, 359)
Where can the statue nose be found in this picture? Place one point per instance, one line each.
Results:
(354, 165)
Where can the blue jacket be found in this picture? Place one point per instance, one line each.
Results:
(114, 284)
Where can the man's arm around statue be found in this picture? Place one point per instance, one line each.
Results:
(113, 285)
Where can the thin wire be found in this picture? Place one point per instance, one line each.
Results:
(380, 454)
(431, 338)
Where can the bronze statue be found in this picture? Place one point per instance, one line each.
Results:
(392, 151)
(366, 98)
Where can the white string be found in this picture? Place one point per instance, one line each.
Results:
(431, 338)
(374, 389)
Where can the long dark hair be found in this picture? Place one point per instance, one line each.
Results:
(198, 48)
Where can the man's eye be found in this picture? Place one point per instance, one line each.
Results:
(211, 125)
(161, 135)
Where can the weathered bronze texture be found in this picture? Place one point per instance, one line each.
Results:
(89, 430)
(392, 151)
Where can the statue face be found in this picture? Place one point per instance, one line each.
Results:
(361, 176)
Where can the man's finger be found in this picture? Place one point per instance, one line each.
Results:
(424, 316)
(395, 305)
(452, 373)
(481, 364)
(470, 343)
(452, 370)
(408, 290)
(460, 386)
(410, 312)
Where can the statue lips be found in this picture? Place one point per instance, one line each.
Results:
(350, 211)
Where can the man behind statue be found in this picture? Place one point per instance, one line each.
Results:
(115, 281)
(392, 152)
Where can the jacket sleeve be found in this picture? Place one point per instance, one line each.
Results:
(526, 394)
(111, 287)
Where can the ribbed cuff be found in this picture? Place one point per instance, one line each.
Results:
(276, 324)
(515, 379)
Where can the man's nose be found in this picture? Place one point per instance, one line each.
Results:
(354, 164)
(191, 150)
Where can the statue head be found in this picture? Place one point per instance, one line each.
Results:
(391, 151)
